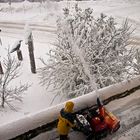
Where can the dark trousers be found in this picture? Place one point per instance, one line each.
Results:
(63, 137)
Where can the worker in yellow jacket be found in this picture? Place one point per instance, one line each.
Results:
(66, 120)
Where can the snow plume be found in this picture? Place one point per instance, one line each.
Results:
(90, 54)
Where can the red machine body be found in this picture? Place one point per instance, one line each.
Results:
(113, 123)
(97, 123)
(104, 120)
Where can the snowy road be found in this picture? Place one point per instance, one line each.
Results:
(41, 33)
(33, 26)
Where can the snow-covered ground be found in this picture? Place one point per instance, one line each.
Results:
(43, 17)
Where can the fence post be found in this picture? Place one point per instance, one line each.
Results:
(19, 54)
(31, 53)
(16, 47)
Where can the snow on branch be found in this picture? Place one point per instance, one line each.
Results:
(16, 46)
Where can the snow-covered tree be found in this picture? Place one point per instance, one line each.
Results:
(8, 91)
(90, 53)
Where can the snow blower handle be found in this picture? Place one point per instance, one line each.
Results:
(101, 109)
(99, 102)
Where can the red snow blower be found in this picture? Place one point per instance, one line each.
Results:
(97, 123)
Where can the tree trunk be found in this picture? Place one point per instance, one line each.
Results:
(1, 69)
(19, 54)
(31, 55)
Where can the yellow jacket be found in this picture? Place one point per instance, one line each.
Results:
(66, 119)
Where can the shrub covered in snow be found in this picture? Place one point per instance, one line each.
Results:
(90, 53)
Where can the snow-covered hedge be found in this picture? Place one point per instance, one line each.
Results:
(45, 116)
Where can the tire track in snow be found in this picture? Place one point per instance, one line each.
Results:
(34, 27)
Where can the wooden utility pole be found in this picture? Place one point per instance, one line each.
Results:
(31, 53)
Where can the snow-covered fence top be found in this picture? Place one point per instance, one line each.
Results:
(32, 121)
